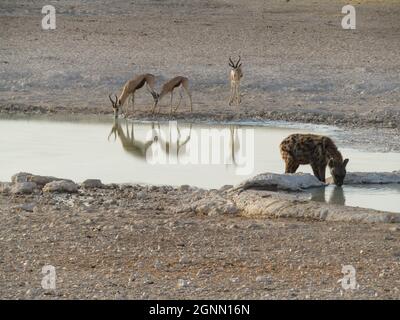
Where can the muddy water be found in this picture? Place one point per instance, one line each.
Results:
(170, 153)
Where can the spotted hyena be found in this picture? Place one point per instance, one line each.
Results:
(318, 151)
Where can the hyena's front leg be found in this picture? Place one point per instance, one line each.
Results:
(290, 165)
(322, 170)
(316, 169)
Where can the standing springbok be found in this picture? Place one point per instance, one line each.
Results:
(169, 87)
(235, 76)
(130, 88)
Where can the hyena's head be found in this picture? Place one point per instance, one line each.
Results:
(338, 170)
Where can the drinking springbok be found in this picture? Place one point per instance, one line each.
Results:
(169, 87)
(130, 88)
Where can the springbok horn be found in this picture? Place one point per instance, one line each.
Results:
(237, 62)
(231, 62)
(116, 100)
(109, 96)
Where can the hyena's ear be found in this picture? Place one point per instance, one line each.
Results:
(345, 162)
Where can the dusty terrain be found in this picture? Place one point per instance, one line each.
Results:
(131, 241)
(139, 242)
(299, 64)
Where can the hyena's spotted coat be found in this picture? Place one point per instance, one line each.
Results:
(318, 151)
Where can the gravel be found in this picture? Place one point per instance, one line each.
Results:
(137, 249)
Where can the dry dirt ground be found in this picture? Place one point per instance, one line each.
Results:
(299, 64)
(130, 242)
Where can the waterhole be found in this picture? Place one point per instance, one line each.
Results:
(175, 153)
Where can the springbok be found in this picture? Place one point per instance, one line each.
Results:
(169, 87)
(130, 88)
(235, 76)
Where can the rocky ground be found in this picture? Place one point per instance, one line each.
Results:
(143, 242)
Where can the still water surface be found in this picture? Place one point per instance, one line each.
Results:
(202, 155)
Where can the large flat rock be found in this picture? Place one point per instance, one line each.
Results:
(253, 203)
(286, 182)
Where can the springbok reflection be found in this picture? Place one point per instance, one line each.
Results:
(136, 147)
(234, 145)
(171, 143)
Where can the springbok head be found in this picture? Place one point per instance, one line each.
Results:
(236, 67)
(115, 104)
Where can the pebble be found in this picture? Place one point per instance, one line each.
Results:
(264, 279)
(183, 283)
(184, 260)
(29, 207)
(92, 183)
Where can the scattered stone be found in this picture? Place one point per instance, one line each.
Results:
(110, 202)
(148, 281)
(225, 187)
(5, 187)
(211, 206)
(264, 279)
(29, 207)
(255, 226)
(234, 279)
(141, 195)
(152, 188)
(61, 186)
(20, 177)
(41, 181)
(184, 187)
(29, 177)
(92, 183)
(203, 273)
(23, 187)
(184, 260)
